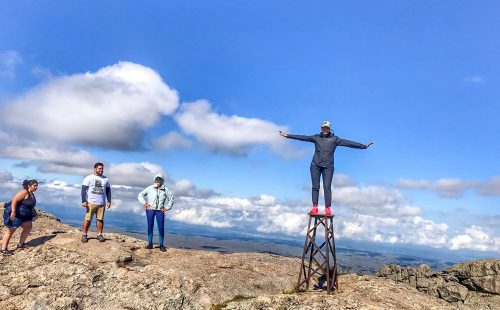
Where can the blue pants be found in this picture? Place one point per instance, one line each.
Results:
(160, 219)
(327, 173)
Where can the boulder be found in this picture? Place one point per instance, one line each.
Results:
(479, 275)
(453, 292)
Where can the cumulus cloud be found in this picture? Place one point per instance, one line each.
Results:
(52, 159)
(110, 108)
(370, 199)
(490, 187)
(446, 187)
(172, 140)
(342, 180)
(8, 62)
(403, 229)
(186, 188)
(477, 239)
(452, 188)
(133, 174)
(231, 134)
(370, 213)
(5, 176)
(413, 184)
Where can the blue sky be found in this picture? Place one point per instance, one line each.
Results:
(199, 89)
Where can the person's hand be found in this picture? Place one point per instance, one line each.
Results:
(108, 204)
(283, 134)
(146, 205)
(85, 204)
(12, 215)
(163, 210)
(368, 145)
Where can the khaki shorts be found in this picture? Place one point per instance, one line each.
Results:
(92, 209)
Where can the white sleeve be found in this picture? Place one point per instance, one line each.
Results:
(86, 181)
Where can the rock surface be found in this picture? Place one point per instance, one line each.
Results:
(467, 285)
(481, 275)
(60, 272)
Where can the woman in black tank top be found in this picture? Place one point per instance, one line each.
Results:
(19, 213)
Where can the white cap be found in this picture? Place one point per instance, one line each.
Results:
(326, 124)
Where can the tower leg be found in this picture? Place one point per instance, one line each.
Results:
(321, 255)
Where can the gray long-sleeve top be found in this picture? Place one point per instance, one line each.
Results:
(325, 147)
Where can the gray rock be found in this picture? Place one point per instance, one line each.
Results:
(453, 292)
(481, 275)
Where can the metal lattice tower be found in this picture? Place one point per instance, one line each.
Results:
(319, 260)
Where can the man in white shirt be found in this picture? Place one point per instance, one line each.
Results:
(96, 196)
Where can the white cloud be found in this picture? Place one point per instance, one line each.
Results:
(370, 199)
(451, 188)
(52, 159)
(58, 192)
(109, 108)
(413, 184)
(231, 134)
(5, 176)
(489, 188)
(445, 187)
(265, 200)
(342, 180)
(476, 79)
(401, 229)
(8, 62)
(133, 174)
(291, 223)
(202, 216)
(477, 239)
(172, 140)
(42, 73)
(373, 213)
(186, 188)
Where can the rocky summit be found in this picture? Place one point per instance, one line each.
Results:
(57, 271)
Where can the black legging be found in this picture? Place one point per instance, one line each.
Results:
(327, 173)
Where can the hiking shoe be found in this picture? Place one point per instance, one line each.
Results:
(314, 210)
(21, 246)
(100, 238)
(85, 239)
(7, 252)
(328, 211)
(163, 249)
(149, 246)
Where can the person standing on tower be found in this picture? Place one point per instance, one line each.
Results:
(322, 163)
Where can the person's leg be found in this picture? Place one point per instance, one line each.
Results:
(86, 226)
(160, 221)
(100, 225)
(315, 174)
(7, 234)
(88, 218)
(99, 215)
(26, 230)
(150, 214)
(327, 187)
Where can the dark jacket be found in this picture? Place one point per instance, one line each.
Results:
(325, 147)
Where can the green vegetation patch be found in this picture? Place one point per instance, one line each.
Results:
(224, 304)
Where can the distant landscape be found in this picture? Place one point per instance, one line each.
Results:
(353, 256)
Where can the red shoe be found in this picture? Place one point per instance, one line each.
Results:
(314, 210)
(328, 211)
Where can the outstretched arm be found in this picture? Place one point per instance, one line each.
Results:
(296, 137)
(352, 144)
